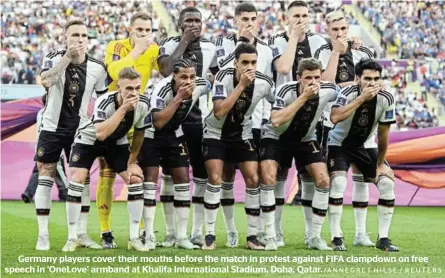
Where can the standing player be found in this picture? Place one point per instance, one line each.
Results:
(202, 53)
(295, 113)
(228, 138)
(70, 77)
(105, 134)
(140, 52)
(358, 111)
(171, 101)
(246, 20)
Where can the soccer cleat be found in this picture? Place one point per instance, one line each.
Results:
(262, 238)
(70, 245)
(317, 243)
(107, 241)
(271, 244)
(363, 240)
(210, 243)
(280, 240)
(337, 244)
(185, 243)
(26, 198)
(197, 240)
(253, 244)
(169, 241)
(43, 243)
(142, 236)
(232, 240)
(85, 241)
(136, 244)
(385, 244)
(150, 242)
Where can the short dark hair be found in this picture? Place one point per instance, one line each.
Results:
(188, 10)
(245, 8)
(244, 48)
(141, 15)
(367, 64)
(183, 63)
(72, 23)
(309, 64)
(297, 4)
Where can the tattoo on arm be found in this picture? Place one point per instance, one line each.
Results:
(50, 76)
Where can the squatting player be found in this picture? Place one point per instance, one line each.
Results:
(105, 135)
(358, 111)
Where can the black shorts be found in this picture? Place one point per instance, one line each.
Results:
(165, 151)
(256, 132)
(116, 156)
(193, 138)
(229, 151)
(340, 158)
(51, 144)
(374, 153)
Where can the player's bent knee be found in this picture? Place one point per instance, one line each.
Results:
(47, 169)
(338, 186)
(252, 181)
(322, 180)
(135, 179)
(215, 178)
(386, 188)
(79, 175)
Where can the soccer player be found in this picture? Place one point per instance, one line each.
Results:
(291, 46)
(202, 53)
(171, 101)
(295, 113)
(228, 138)
(70, 76)
(138, 51)
(246, 21)
(358, 111)
(105, 134)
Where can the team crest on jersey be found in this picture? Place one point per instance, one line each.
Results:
(160, 103)
(389, 115)
(220, 53)
(101, 114)
(332, 162)
(75, 157)
(219, 90)
(363, 120)
(205, 150)
(40, 151)
(341, 101)
(280, 103)
(48, 64)
(344, 76)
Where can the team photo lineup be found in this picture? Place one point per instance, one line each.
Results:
(238, 103)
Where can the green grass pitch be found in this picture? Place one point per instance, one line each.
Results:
(419, 232)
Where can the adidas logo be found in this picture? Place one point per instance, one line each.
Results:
(300, 52)
(104, 206)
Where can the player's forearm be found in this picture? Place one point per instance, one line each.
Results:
(138, 140)
(106, 128)
(267, 108)
(339, 114)
(116, 66)
(49, 77)
(331, 69)
(285, 62)
(166, 64)
(223, 107)
(286, 114)
(161, 118)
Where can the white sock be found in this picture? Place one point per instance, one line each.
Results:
(360, 198)
(267, 201)
(228, 206)
(385, 207)
(149, 210)
(252, 207)
(43, 203)
(279, 204)
(135, 203)
(73, 207)
(198, 206)
(182, 207)
(319, 210)
(211, 203)
(338, 186)
(307, 194)
(168, 209)
(82, 227)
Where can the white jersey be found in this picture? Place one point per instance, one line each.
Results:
(203, 54)
(225, 52)
(361, 125)
(237, 124)
(163, 94)
(302, 128)
(305, 49)
(104, 108)
(68, 99)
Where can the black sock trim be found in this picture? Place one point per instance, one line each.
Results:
(211, 206)
(197, 200)
(135, 197)
(181, 203)
(306, 203)
(73, 199)
(227, 202)
(386, 203)
(320, 212)
(149, 203)
(253, 212)
(85, 209)
(42, 211)
(356, 204)
(279, 201)
(336, 201)
(167, 199)
(268, 208)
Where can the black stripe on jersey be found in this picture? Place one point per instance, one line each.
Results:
(327, 85)
(349, 90)
(389, 97)
(106, 102)
(145, 100)
(176, 38)
(201, 82)
(99, 93)
(231, 37)
(264, 77)
(202, 39)
(219, 41)
(310, 34)
(323, 47)
(163, 92)
(261, 42)
(55, 53)
(220, 75)
(367, 51)
(285, 89)
(97, 62)
(227, 60)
